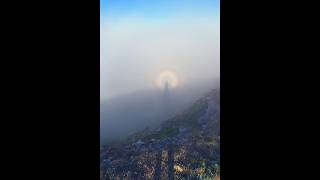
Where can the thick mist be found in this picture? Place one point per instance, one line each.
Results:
(134, 51)
(124, 115)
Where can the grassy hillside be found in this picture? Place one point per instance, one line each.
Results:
(185, 146)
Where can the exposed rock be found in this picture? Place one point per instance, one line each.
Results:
(139, 143)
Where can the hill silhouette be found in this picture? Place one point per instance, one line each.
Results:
(127, 114)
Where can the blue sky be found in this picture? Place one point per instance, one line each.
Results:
(158, 9)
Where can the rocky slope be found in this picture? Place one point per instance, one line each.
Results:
(184, 147)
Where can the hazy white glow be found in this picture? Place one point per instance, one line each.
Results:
(133, 51)
(167, 76)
